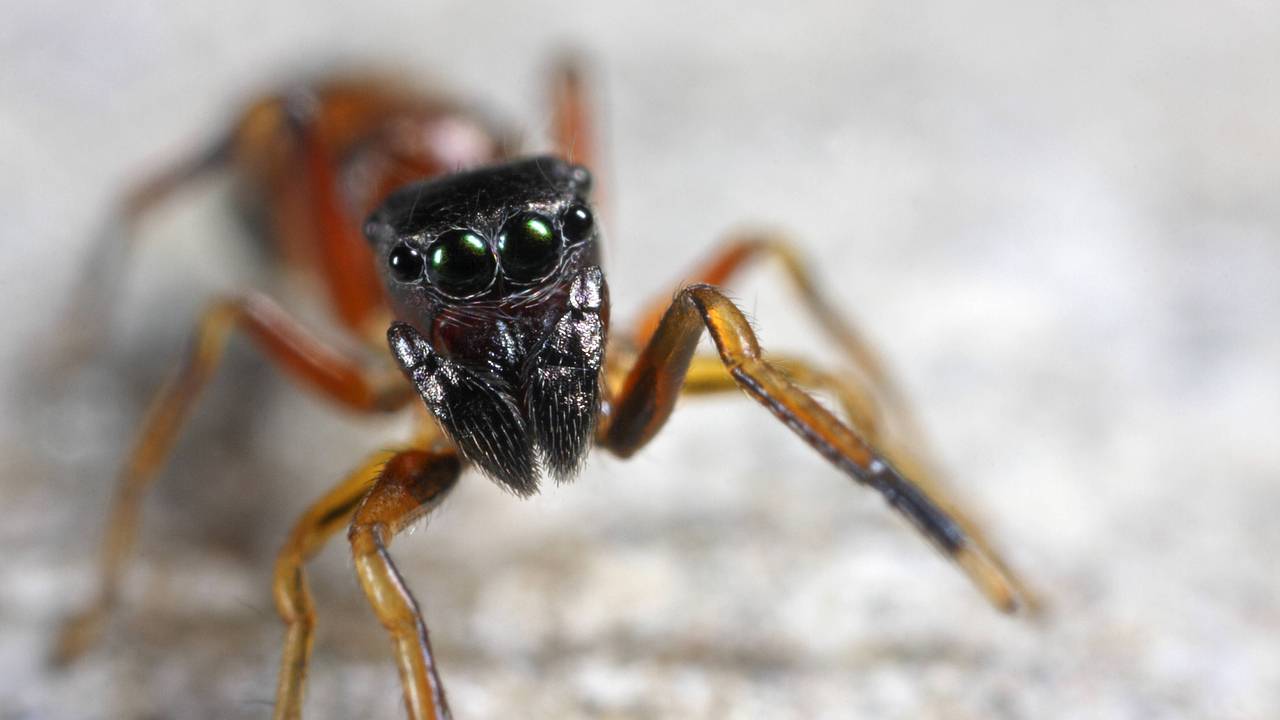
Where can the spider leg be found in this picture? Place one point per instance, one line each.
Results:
(648, 394)
(326, 516)
(743, 249)
(287, 345)
(708, 376)
(411, 484)
(572, 129)
(871, 398)
(292, 594)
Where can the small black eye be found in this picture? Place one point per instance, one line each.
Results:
(460, 264)
(577, 222)
(406, 263)
(529, 248)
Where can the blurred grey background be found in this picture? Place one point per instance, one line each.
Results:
(1058, 220)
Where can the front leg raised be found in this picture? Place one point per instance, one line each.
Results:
(648, 395)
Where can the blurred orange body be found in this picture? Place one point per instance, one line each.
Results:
(316, 160)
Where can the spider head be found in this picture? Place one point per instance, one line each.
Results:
(501, 309)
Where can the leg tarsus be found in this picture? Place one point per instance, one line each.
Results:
(296, 609)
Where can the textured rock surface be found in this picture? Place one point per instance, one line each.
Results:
(1059, 223)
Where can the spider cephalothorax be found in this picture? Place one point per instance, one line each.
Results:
(501, 312)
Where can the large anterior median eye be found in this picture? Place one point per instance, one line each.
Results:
(529, 248)
(459, 263)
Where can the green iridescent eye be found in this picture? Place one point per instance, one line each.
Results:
(529, 248)
(459, 263)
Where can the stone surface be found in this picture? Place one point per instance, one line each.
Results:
(1059, 222)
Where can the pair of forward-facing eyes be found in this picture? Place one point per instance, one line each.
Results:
(460, 263)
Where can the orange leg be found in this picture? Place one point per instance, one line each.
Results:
(648, 394)
(741, 250)
(292, 596)
(572, 130)
(411, 485)
(873, 400)
(286, 345)
(708, 375)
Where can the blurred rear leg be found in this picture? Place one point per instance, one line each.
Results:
(572, 129)
(287, 345)
(739, 252)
